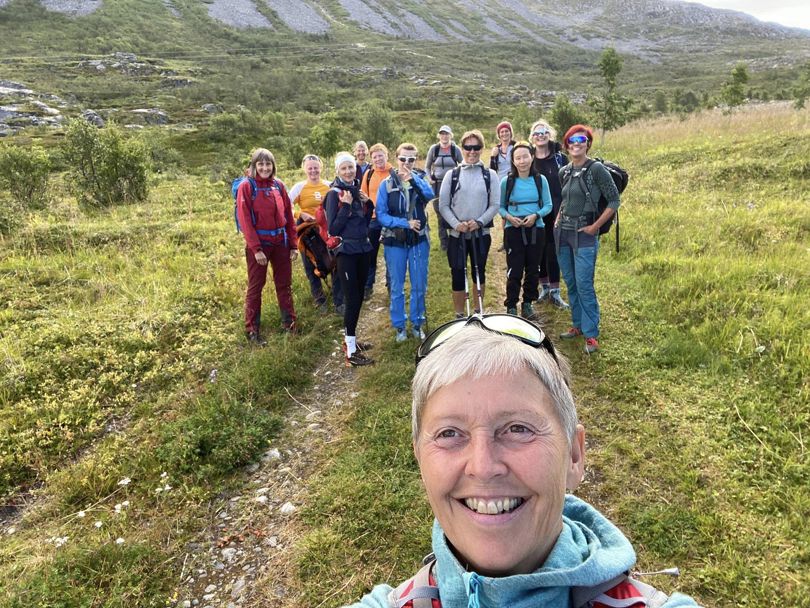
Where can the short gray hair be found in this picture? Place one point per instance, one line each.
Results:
(476, 353)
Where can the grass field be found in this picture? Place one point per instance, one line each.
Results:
(696, 409)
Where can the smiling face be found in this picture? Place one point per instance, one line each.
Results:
(313, 170)
(444, 138)
(496, 463)
(523, 160)
(360, 152)
(471, 156)
(264, 168)
(577, 149)
(378, 159)
(346, 171)
(505, 135)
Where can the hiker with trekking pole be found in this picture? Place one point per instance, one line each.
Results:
(402, 201)
(577, 228)
(469, 199)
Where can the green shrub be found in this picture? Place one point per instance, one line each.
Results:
(105, 168)
(24, 172)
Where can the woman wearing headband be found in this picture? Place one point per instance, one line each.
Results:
(348, 213)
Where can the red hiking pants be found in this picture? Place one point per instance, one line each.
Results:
(278, 257)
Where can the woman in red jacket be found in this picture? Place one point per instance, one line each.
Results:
(265, 217)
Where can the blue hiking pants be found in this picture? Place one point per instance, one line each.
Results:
(578, 270)
(412, 259)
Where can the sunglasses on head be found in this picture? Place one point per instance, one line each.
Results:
(472, 147)
(578, 139)
(407, 159)
(311, 157)
(499, 323)
(540, 132)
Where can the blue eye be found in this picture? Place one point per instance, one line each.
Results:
(447, 434)
(519, 428)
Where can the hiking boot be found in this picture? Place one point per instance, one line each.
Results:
(368, 293)
(527, 312)
(290, 328)
(255, 339)
(556, 299)
(591, 345)
(358, 359)
(511, 310)
(544, 292)
(363, 346)
(418, 332)
(571, 333)
(401, 335)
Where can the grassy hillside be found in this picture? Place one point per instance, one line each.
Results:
(697, 408)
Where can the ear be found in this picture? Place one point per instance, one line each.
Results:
(576, 468)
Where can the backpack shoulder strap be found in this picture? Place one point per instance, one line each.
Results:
(367, 176)
(510, 185)
(416, 589)
(487, 179)
(455, 152)
(454, 177)
(538, 183)
(630, 590)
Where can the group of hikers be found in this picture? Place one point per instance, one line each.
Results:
(495, 431)
(544, 191)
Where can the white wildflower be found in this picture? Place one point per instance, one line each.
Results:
(119, 541)
(98, 524)
(164, 475)
(81, 514)
(124, 482)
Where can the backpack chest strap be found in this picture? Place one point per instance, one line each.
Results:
(416, 589)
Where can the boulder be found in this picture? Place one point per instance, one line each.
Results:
(93, 118)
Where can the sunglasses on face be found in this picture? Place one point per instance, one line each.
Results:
(407, 159)
(540, 132)
(472, 147)
(578, 139)
(499, 323)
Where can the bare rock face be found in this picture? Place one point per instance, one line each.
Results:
(93, 118)
(76, 8)
(241, 14)
(299, 16)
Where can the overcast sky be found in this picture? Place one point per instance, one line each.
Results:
(795, 13)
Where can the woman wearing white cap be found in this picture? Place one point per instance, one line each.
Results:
(442, 158)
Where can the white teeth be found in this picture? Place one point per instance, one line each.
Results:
(493, 507)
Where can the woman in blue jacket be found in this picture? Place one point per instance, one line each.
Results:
(500, 452)
(348, 213)
(525, 201)
(401, 201)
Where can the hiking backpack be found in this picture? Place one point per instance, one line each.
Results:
(313, 246)
(619, 176)
(510, 185)
(420, 591)
(254, 190)
(454, 185)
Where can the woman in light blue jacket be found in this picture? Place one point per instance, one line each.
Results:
(525, 201)
(499, 449)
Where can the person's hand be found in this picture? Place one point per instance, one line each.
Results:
(462, 227)
(529, 220)
(415, 225)
(472, 225)
(592, 230)
(293, 254)
(364, 198)
(261, 259)
(306, 217)
(404, 174)
(515, 221)
(346, 197)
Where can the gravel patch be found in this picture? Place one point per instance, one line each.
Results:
(299, 16)
(369, 15)
(75, 8)
(171, 7)
(418, 28)
(240, 14)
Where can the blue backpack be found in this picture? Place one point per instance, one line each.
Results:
(253, 192)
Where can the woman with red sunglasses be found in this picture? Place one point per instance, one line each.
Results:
(584, 181)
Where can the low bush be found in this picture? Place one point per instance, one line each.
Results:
(24, 172)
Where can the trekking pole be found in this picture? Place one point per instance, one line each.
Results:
(617, 231)
(466, 282)
(476, 269)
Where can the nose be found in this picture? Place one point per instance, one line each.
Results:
(484, 458)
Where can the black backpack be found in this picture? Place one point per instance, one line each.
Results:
(619, 176)
(312, 245)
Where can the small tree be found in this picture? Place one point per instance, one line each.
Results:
(377, 125)
(734, 89)
(105, 168)
(25, 172)
(565, 114)
(611, 107)
(326, 135)
(802, 87)
(660, 104)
